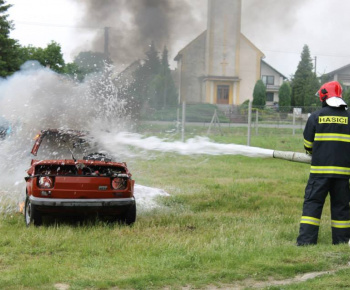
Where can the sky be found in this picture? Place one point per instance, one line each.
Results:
(278, 28)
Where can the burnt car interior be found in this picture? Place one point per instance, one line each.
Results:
(58, 145)
(62, 145)
(68, 170)
(76, 145)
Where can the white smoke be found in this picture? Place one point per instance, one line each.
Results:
(36, 98)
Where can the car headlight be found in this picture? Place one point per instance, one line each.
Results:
(45, 182)
(118, 183)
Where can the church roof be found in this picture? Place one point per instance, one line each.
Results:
(203, 34)
(179, 54)
(252, 45)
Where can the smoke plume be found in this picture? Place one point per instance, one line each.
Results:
(268, 15)
(134, 24)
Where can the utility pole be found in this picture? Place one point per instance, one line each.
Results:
(249, 122)
(315, 65)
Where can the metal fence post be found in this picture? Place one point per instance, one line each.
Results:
(256, 122)
(177, 119)
(183, 121)
(249, 122)
(293, 121)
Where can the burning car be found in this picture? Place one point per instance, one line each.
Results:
(61, 183)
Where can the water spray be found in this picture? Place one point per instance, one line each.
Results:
(127, 142)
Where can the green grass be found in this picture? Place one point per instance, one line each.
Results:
(228, 220)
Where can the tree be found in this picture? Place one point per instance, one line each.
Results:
(146, 79)
(26, 53)
(51, 56)
(153, 85)
(73, 70)
(87, 63)
(305, 82)
(9, 59)
(170, 94)
(152, 64)
(285, 97)
(259, 95)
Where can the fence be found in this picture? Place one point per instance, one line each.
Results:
(213, 119)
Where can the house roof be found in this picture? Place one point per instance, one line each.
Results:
(339, 69)
(284, 77)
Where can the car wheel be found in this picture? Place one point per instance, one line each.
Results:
(31, 214)
(129, 217)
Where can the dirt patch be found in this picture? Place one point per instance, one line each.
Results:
(61, 286)
(271, 282)
(250, 283)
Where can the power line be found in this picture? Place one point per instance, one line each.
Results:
(55, 25)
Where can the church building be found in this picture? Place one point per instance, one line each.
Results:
(221, 66)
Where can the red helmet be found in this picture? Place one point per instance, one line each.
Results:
(329, 90)
(331, 93)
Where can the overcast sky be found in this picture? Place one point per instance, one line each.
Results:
(278, 28)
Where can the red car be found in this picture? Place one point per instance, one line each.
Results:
(62, 184)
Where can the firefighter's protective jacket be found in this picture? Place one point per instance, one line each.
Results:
(327, 137)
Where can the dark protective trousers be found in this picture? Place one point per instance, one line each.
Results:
(316, 192)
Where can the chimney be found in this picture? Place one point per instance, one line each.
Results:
(106, 46)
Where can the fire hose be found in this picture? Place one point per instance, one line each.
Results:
(292, 156)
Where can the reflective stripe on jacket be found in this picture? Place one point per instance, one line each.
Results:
(327, 136)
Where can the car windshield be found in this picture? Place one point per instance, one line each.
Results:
(58, 145)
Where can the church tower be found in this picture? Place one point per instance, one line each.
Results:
(220, 66)
(223, 37)
(222, 61)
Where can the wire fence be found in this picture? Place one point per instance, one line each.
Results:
(219, 119)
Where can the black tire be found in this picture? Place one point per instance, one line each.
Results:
(129, 217)
(31, 214)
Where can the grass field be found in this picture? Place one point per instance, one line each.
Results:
(230, 221)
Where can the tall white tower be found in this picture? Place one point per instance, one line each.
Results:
(223, 38)
(220, 66)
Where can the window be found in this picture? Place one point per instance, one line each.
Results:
(269, 97)
(268, 80)
(223, 94)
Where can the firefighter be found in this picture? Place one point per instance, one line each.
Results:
(327, 138)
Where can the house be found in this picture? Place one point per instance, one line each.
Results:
(273, 80)
(341, 75)
(222, 66)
